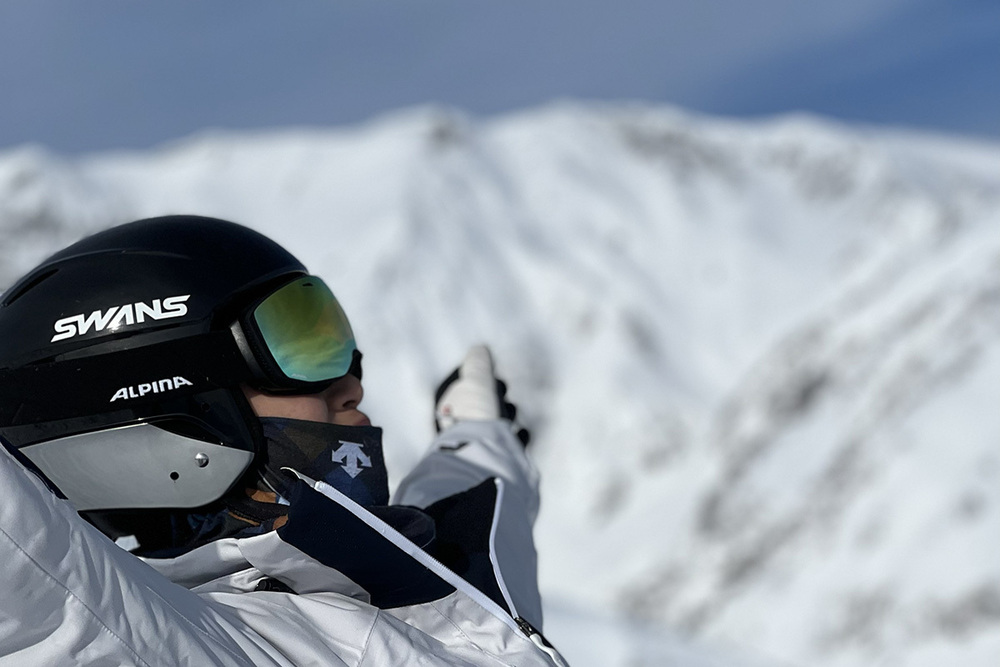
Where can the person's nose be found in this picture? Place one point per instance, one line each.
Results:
(345, 394)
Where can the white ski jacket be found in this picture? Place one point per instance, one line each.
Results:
(69, 596)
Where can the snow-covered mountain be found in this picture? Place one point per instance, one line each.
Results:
(761, 360)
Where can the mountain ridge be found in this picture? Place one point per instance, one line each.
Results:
(695, 315)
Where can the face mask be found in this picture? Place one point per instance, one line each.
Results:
(348, 458)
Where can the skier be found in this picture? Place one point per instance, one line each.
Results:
(184, 387)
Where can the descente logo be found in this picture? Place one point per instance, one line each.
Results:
(118, 316)
(140, 390)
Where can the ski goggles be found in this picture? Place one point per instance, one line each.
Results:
(297, 339)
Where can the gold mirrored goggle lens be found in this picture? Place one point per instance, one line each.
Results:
(306, 331)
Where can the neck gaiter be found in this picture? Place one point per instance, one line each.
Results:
(348, 458)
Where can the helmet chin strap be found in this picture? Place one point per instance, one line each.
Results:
(264, 485)
(348, 458)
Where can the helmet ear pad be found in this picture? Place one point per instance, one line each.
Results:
(174, 457)
(171, 527)
(184, 445)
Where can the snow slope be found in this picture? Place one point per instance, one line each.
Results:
(759, 359)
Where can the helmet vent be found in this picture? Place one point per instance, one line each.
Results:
(23, 289)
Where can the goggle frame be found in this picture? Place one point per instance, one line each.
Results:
(296, 339)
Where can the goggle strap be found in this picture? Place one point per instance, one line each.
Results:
(87, 384)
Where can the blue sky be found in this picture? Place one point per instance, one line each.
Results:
(84, 76)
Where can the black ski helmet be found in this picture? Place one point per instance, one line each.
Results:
(119, 372)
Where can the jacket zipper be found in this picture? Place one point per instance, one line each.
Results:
(539, 640)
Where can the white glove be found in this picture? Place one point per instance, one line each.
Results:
(473, 393)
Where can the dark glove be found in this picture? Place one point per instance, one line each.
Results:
(474, 393)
